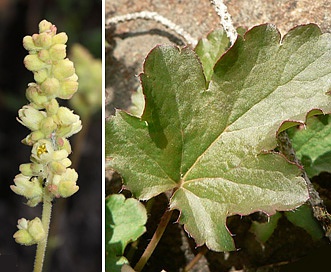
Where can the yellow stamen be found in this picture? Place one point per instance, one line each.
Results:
(41, 150)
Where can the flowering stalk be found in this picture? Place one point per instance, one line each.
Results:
(147, 15)
(48, 175)
(226, 21)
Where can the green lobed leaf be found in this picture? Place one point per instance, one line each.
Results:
(263, 231)
(138, 102)
(210, 49)
(312, 144)
(303, 217)
(212, 143)
(125, 222)
(115, 263)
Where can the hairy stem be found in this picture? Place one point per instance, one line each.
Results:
(46, 218)
(155, 240)
(147, 15)
(61, 204)
(226, 21)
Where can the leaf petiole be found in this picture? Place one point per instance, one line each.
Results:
(154, 241)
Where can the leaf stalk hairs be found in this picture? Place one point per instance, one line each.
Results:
(48, 175)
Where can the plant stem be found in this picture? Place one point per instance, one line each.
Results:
(226, 21)
(197, 257)
(155, 240)
(46, 218)
(148, 15)
(61, 204)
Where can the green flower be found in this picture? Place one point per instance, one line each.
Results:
(44, 156)
(47, 174)
(54, 73)
(29, 187)
(35, 96)
(69, 86)
(30, 117)
(57, 51)
(60, 38)
(34, 63)
(68, 122)
(51, 87)
(29, 232)
(65, 185)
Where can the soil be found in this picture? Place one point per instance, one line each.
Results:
(290, 248)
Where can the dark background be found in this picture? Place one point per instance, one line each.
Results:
(75, 241)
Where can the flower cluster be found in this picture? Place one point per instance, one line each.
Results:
(50, 124)
(29, 231)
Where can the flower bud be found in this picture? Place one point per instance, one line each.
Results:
(29, 44)
(43, 40)
(60, 38)
(30, 169)
(74, 77)
(30, 117)
(76, 127)
(33, 94)
(29, 232)
(67, 188)
(66, 162)
(37, 169)
(47, 125)
(57, 167)
(66, 116)
(69, 123)
(44, 26)
(63, 143)
(36, 136)
(59, 155)
(57, 52)
(25, 169)
(23, 237)
(67, 131)
(28, 140)
(52, 107)
(43, 55)
(68, 88)
(50, 86)
(36, 229)
(30, 189)
(33, 63)
(67, 185)
(40, 76)
(63, 69)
